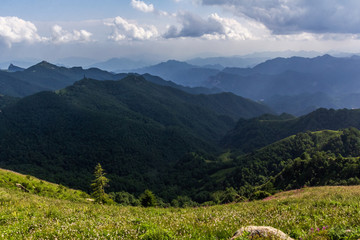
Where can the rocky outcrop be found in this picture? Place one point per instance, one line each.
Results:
(258, 232)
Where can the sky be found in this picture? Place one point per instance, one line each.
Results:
(174, 29)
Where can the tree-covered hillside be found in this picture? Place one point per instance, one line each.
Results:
(136, 130)
(250, 134)
(312, 158)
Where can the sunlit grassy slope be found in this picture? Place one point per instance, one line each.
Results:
(31, 185)
(309, 213)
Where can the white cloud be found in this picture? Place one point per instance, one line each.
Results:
(216, 27)
(142, 6)
(194, 26)
(147, 8)
(16, 30)
(124, 30)
(234, 30)
(59, 35)
(297, 16)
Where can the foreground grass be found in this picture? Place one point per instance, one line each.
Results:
(309, 213)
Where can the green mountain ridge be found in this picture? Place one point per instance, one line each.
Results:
(137, 130)
(250, 134)
(319, 158)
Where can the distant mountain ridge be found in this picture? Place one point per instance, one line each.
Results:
(119, 64)
(179, 72)
(292, 80)
(296, 85)
(47, 76)
(13, 68)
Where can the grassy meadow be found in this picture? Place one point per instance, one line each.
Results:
(308, 213)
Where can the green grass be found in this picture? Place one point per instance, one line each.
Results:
(335, 211)
(26, 183)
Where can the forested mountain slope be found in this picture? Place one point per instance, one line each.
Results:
(134, 128)
(250, 134)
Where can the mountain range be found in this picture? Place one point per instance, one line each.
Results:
(162, 138)
(150, 133)
(136, 129)
(180, 72)
(295, 85)
(250, 134)
(19, 82)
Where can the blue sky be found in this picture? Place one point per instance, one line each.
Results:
(180, 29)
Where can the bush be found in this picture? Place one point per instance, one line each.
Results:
(183, 201)
(125, 199)
(148, 199)
(258, 195)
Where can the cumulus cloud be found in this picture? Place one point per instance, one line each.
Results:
(215, 27)
(142, 6)
(16, 30)
(194, 26)
(147, 8)
(235, 30)
(59, 35)
(292, 17)
(123, 29)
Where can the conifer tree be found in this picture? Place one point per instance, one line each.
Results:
(98, 185)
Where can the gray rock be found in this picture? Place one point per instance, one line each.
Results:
(261, 231)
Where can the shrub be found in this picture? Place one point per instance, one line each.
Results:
(258, 195)
(148, 199)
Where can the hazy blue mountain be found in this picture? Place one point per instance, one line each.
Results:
(288, 84)
(305, 103)
(179, 72)
(49, 76)
(21, 63)
(194, 90)
(284, 54)
(13, 68)
(75, 61)
(120, 64)
(351, 100)
(234, 61)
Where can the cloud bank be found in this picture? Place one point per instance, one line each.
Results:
(194, 26)
(288, 17)
(214, 28)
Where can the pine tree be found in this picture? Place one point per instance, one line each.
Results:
(98, 185)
